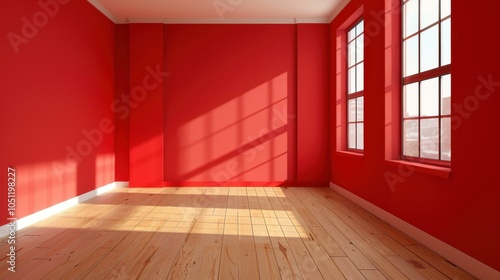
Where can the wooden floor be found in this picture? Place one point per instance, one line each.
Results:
(221, 233)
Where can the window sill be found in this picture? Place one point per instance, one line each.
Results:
(350, 154)
(439, 171)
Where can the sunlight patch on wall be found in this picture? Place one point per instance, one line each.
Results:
(42, 184)
(104, 169)
(243, 139)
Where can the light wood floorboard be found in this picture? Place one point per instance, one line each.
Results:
(221, 233)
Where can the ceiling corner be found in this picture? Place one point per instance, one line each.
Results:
(338, 9)
(105, 12)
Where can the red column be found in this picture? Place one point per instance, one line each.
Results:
(147, 78)
(312, 104)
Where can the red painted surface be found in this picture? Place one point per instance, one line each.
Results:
(120, 106)
(312, 104)
(147, 79)
(230, 104)
(457, 210)
(56, 91)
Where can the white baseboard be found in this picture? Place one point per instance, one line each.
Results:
(47, 212)
(452, 254)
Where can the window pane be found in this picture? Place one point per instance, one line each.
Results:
(359, 77)
(352, 80)
(359, 137)
(446, 42)
(352, 53)
(429, 138)
(351, 34)
(352, 110)
(411, 56)
(446, 95)
(359, 49)
(410, 100)
(429, 49)
(429, 12)
(352, 136)
(429, 98)
(446, 139)
(359, 28)
(410, 17)
(445, 8)
(359, 109)
(410, 143)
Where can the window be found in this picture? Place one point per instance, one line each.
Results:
(427, 80)
(355, 87)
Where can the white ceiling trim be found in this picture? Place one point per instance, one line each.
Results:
(117, 20)
(313, 20)
(231, 21)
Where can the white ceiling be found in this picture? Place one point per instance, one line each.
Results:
(220, 11)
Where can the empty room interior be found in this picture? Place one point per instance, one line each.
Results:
(249, 139)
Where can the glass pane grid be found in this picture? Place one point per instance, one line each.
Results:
(427, 133)
(355, 123)
(355, 58)
(426, 35)
(355, 77)
(426, 98)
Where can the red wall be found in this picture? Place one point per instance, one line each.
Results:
(458, 210)
(312, 105)
(227, 103)
(120, 105)
(147, 79)
(56, 93)
(230, 105)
